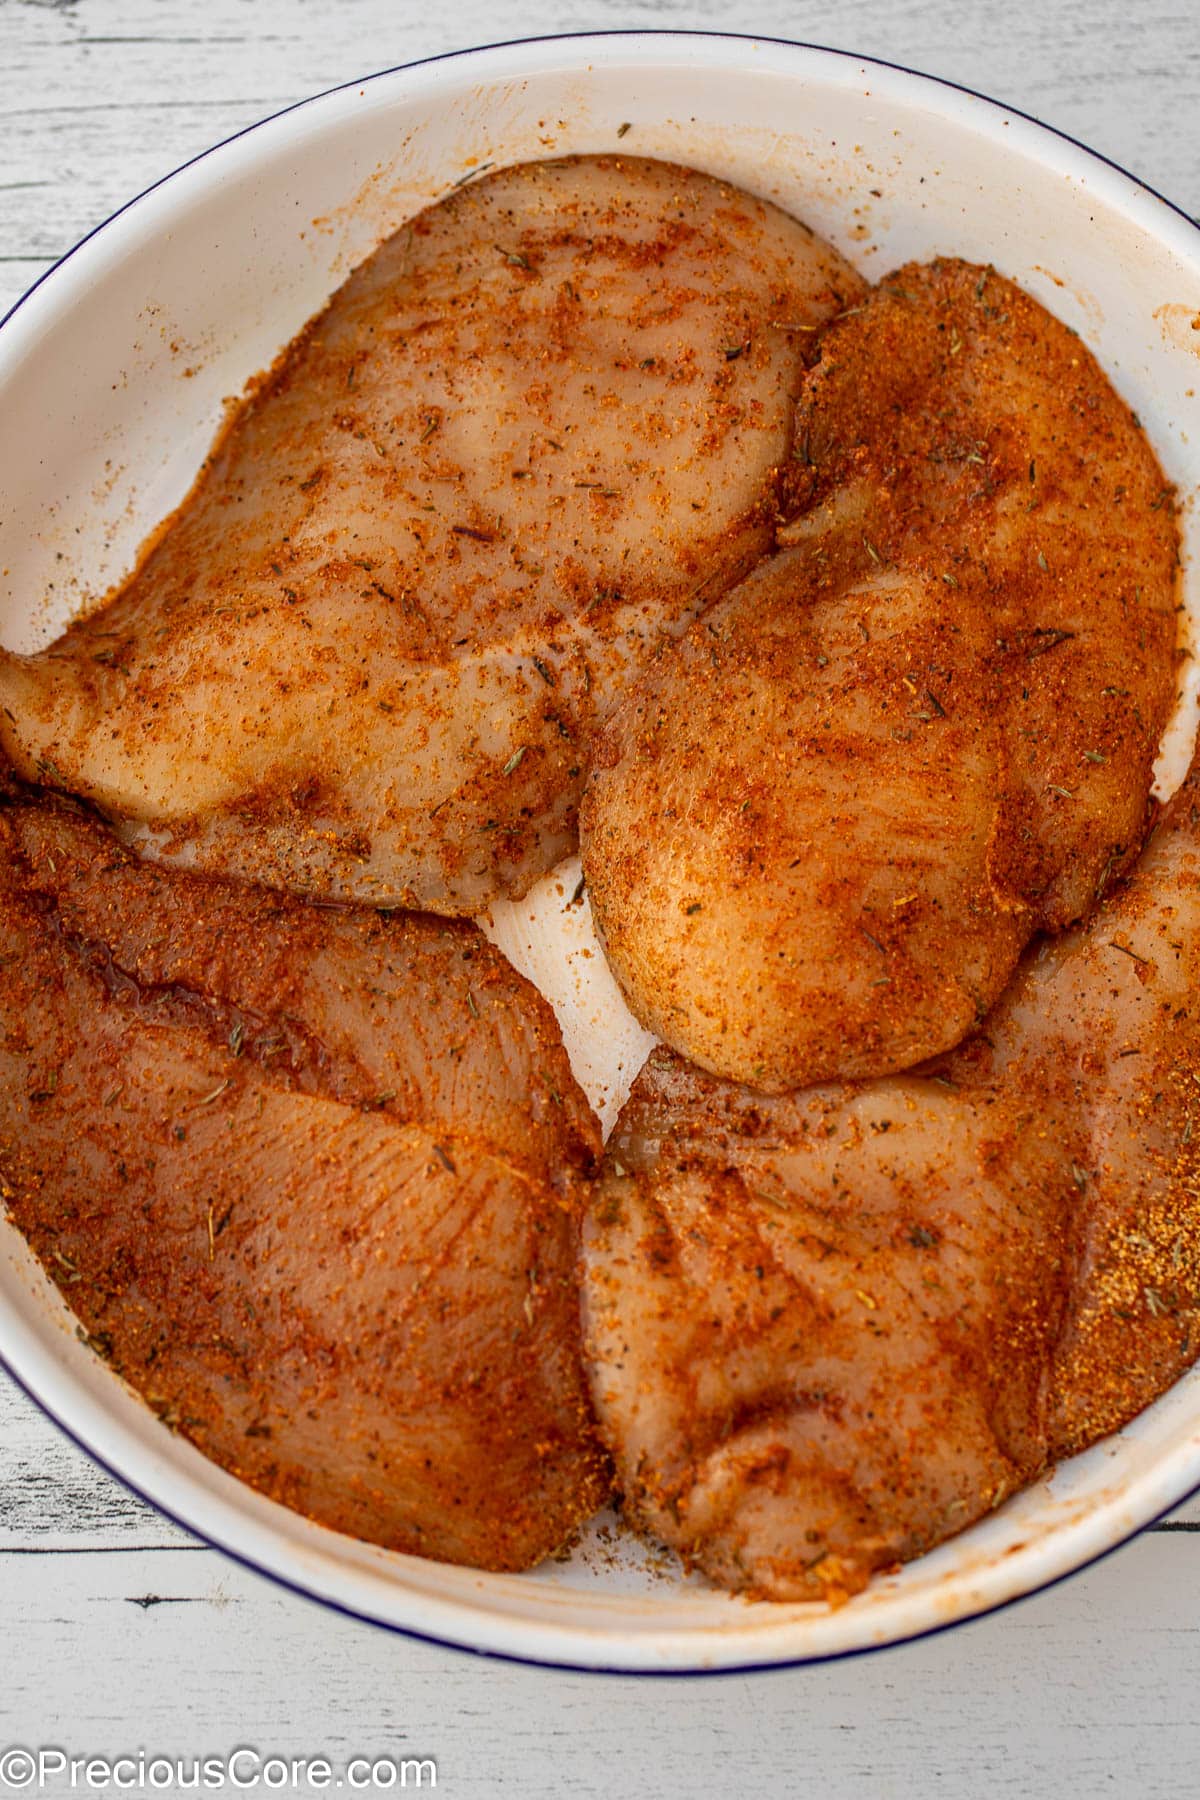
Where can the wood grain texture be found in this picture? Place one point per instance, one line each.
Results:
(1089, 1685)
(118, 1630)
(53, 1497)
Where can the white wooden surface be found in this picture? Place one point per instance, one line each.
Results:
(118, 1633)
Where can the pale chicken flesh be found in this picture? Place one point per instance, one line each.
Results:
(828, 1329)
(310, 1179)
(536, 431)
(824, 823)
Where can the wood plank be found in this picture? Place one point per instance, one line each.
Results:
(1094, 1682)
(53, 1496)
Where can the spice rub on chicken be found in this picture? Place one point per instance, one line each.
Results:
(310, 1179)
(823, 824)
(538, 429)
(830, 1328)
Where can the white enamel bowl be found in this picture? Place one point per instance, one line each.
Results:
(113, 372)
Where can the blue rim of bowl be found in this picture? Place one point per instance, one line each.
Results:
(775, 1665)
(780, 1665)
(575, 37)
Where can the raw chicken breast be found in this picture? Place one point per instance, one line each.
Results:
(310, 1180)
(822, 826)
(828, 1329)
(535, 432)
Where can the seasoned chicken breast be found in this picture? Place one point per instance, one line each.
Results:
(830, 1328)
(822, 826)
(310, 1180)
(531, 435)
